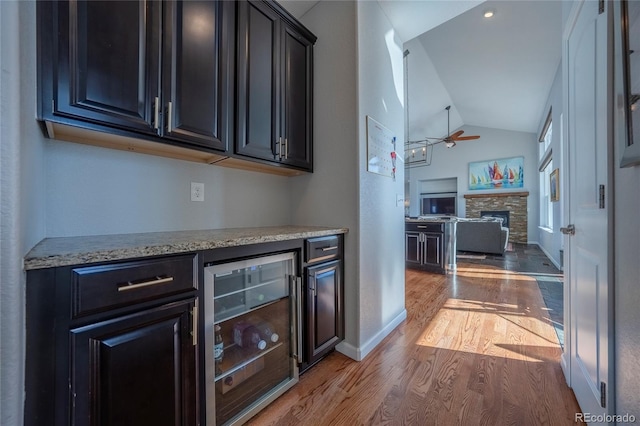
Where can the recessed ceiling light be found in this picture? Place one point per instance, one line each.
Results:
(488, 13)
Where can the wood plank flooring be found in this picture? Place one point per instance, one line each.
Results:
(477, 348)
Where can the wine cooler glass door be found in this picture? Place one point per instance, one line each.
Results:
(249, 318)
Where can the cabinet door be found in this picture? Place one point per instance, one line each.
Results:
(196, 69)
(139, 369)
(324, 327)
(297, 99)
(433, 249)
(107, 62)
(258, 82)
(412, 247)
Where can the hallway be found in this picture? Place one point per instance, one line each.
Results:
(477, 348)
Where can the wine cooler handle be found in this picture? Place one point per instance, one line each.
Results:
(296, 291)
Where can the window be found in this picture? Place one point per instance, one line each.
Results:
(546, 207)
(545, 166)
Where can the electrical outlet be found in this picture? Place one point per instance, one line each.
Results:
(197, 191)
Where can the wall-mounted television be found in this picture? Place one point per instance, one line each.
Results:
(443, 204)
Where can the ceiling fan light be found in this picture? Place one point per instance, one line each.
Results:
(450, 144)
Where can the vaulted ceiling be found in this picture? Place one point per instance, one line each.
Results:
(493, 72)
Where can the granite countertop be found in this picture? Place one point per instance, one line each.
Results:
(438, 219)
(65, 251)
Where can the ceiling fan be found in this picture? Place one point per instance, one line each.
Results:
(451, 139)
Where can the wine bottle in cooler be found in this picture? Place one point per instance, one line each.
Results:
(218, 348)
(247, 335)
(267, 331)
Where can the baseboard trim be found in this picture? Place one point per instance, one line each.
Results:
(360, 353)
(564, 365)
(554, 261)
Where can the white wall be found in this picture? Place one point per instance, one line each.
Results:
(424, 86)
(627, 269)
(356, 71)
(380, 95)
(95, 191)
(22, 192)
(11, 277)
(627, 291)
(493, 144)
(552, 242)
(330, 195)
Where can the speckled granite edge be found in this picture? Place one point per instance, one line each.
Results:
(65, 251)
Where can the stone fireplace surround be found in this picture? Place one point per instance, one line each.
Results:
(514, 202)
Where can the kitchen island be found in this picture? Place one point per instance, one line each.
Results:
(430, 243)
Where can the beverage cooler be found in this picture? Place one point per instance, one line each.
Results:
(252, 312)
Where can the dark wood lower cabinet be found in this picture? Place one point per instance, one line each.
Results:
(324, 318)
(425, 250)
(139, 369)
(113, 344)
(116, 343)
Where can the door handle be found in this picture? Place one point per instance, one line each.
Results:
(569, 230)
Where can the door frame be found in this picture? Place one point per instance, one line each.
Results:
(565, 359)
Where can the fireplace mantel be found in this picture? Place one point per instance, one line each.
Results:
(498, 194)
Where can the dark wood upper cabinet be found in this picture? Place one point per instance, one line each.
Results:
(105, 62)
(274, 105)
(197, 65)
(106, 69)
(196, 75)
(257, 80)
(297, 93)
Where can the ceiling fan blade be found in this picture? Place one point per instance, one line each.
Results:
(467, 138)
(456, 134)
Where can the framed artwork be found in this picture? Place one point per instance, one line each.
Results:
(628, 45)
(554, 185)
(505, 173)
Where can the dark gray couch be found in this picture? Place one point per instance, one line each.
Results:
(485, 235)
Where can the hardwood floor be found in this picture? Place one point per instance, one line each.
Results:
(477, 348)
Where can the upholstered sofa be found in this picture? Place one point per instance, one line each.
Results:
(484, 235)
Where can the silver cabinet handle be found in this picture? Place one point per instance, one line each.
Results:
(156, 113)
(329, 248)
(569, 230)
(130, 286)
(169, 124)
(279, 149)
(286, 149)
(421, 226)
(194, 317)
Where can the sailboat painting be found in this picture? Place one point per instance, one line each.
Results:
(505, 173)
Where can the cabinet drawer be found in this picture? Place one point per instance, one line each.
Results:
(322, 248)
(425, 227)
(99, 288)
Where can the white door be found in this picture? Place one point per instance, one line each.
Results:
(590, 324)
